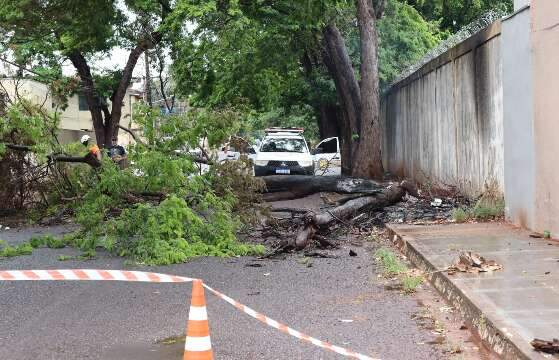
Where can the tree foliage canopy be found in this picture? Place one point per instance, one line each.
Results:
(454, 14)
(268, 57)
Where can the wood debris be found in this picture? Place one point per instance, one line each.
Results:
(473, 263)
(550, 347)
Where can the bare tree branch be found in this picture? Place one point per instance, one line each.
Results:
(134, 136)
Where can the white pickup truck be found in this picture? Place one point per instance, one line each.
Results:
(284, 151)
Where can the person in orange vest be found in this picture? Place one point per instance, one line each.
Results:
(93, 150)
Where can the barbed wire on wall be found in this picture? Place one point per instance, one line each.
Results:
(461, 35)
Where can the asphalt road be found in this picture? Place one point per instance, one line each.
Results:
(108, 320)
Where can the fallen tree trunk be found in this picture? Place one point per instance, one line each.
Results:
(379, 200)
(280, 187)
(89, 158)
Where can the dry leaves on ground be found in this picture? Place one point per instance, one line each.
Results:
(473, 263)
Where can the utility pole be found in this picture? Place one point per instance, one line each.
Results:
(147, 82)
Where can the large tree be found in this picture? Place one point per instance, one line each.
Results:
(48, 33)
(284, 59)
(359, 99)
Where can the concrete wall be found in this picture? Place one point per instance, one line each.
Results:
(518, 4)
(518, 119)
(545, 73)
(444, 123)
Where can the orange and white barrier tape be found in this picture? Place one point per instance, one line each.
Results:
(286, 329)
(91, 274)
(198, 344)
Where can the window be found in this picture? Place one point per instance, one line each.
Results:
(283, 145)
(330, 146)
(82, 103)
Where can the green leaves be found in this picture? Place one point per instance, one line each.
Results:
(405, 36)
(193, 215)
(27, 124)
(33, 27)
(173, 232)
(454, 14)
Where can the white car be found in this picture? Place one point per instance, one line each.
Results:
(285, 152)
(327, 157)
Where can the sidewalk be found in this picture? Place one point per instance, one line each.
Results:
(509, 307)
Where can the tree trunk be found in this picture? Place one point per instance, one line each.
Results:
(328, 121)
(361, 147)
(367, 159)
(91, 97)
(280, 187)
(111, 126)
(383, 198)
(346, 144)
(106, 130)
(147, 85)
(339, 66)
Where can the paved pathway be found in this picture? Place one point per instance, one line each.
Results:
(515, 304)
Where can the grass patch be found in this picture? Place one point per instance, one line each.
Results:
(12, 251)
(35, 242)
(390, 262)
(482, 212)
(88, 255)
(393, 267)
(47, 241)
(411, 282)
(491, 204)
(460, 215)
(65, 258)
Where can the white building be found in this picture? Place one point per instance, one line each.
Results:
(75, 119)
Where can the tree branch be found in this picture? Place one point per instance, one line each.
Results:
(379, 9)
(18, 147)
(89, 159)
(134, 136)
(92, 99)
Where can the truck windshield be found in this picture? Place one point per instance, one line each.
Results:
(283, 145)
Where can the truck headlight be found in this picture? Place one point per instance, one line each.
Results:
(260, 162)
(305, 163)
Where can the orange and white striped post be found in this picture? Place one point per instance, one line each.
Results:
(198, 345)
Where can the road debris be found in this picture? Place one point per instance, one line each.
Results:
(319, 254)
(550, 347)
(473, 263)
(346, 320)
(436, 202)
(253, 265)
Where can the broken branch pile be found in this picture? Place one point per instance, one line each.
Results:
(371, 196)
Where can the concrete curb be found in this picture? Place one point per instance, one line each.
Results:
(483, 324)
